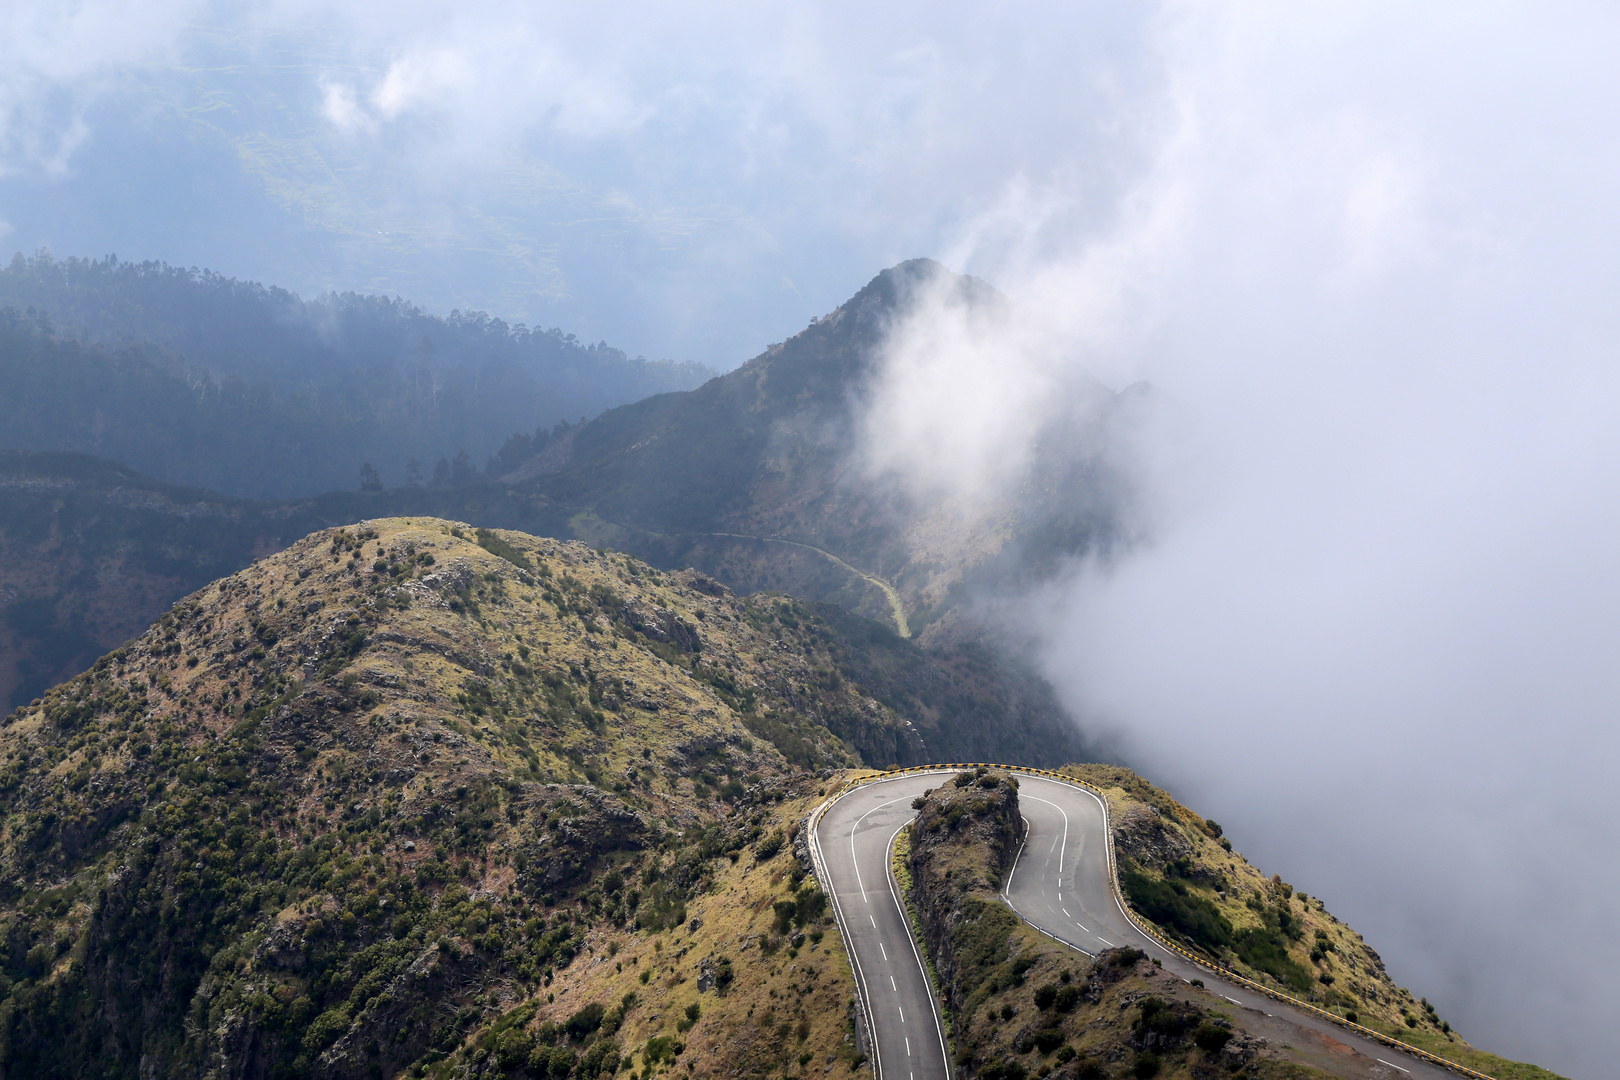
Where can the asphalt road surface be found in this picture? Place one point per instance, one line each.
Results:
(853, 840)
(1059, 884)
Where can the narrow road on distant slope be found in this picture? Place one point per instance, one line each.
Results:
(896, 608)
(1061, 884)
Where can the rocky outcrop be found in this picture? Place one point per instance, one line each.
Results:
(698, 581)
(1142, 834)
(585, 824)
(661, 625)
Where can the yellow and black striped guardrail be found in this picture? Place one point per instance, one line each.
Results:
(1147, 929)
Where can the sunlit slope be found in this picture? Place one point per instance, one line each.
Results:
(381, 798)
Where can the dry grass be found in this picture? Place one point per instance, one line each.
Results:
(782, 1005)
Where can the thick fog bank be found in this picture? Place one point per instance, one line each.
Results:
(1373, 618)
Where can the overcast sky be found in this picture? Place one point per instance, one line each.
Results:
(690, 180)
(1366, 255)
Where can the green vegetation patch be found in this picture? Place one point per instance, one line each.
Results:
(1169, 902)
(495, 545)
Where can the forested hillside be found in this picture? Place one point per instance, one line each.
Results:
(200, 379)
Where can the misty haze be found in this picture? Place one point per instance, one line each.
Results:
(683, 541)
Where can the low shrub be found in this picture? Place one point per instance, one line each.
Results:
(1003, 1069)
(585, 1021)
(766, 849)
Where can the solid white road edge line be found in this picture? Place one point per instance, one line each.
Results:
(933, 1006)
(1065, 849)
(855, 828)
(864, 993)
(1018, 856)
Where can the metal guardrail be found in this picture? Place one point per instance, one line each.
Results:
(1145, 928)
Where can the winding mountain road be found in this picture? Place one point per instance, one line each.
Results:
(897, 607)
(1061, 884)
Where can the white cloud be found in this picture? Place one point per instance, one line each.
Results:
(962, 393)
(341, 107)
(421, 78)
(1370, 271)
(56, 57)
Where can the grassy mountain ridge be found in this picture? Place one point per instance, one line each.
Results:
(92, 552)
(353, 806)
